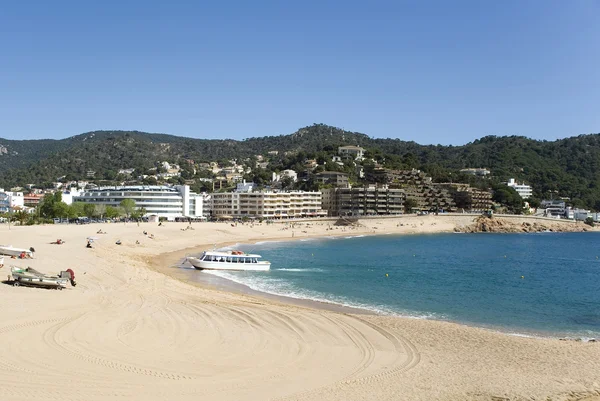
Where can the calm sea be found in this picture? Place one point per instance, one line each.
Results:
(539, 284)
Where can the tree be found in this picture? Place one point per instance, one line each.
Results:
(287, 183)
(138, 213)
(409, 205)
(100, 210)
(89, 209)
(60, 209)
(111, 212)
(75, 210)
(508, 196)
(128, 206)
(21, 216)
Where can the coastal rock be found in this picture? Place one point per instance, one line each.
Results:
(484, 224)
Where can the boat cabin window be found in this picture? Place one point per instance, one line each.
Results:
(254, 260)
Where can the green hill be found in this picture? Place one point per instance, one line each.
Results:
(569, 166)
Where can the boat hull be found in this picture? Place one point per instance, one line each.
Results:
(206, 265)
(10, 251)
(26, 278)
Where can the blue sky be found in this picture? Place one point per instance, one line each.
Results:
(432, 71)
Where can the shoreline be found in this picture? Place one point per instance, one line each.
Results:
(213, 282)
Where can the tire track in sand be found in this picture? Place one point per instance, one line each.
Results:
(407, 354)
(402, 345)
(51, 340)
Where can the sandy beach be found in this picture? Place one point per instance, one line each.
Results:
(131, 330)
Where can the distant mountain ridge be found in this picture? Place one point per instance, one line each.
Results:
(570, 166)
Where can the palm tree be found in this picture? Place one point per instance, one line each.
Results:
(21, 216)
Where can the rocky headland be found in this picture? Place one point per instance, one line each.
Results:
(516, 225)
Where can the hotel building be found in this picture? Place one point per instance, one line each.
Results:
(363, 201)
(269, 205)
(161, 201)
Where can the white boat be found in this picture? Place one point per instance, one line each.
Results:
(9, 250)
(33, 277)
(232, 260)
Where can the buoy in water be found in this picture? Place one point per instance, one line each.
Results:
(387, 275)
(522, 276)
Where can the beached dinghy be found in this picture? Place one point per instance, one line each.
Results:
(33, 277)
(9, 250)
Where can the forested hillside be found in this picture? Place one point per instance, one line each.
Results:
(568, 166)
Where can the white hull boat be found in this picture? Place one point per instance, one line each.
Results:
(33, 277)
(9, 250)
(232, 260)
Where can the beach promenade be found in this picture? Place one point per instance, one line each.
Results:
(131, 331)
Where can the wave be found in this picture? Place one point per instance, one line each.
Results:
(315, 269)
(283, 288)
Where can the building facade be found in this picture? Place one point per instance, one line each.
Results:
(481, 172)
(9, 201)
(161, 201)
(268, 205)
(363, 201)
(332, 177)
(469, 199)
(522, 189)
(351, 152)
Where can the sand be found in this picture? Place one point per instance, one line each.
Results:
(129, 331)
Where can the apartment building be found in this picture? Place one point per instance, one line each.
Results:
(468, 198)
(363, 201)
(333, 177)
(269, 205)
(10, 200)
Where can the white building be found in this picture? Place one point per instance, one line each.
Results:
(11, 200)
(522, 189)
(285, 173)
(268, 204)
(482, 172)
(162, 201)
(244, 186)
(354, 152)
(68, 195)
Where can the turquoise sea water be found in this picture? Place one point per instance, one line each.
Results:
(540, 284)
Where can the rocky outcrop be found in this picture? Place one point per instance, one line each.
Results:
(486, 224)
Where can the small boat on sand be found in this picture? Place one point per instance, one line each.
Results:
(9, 250)
(29, 276)
(232, 260)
